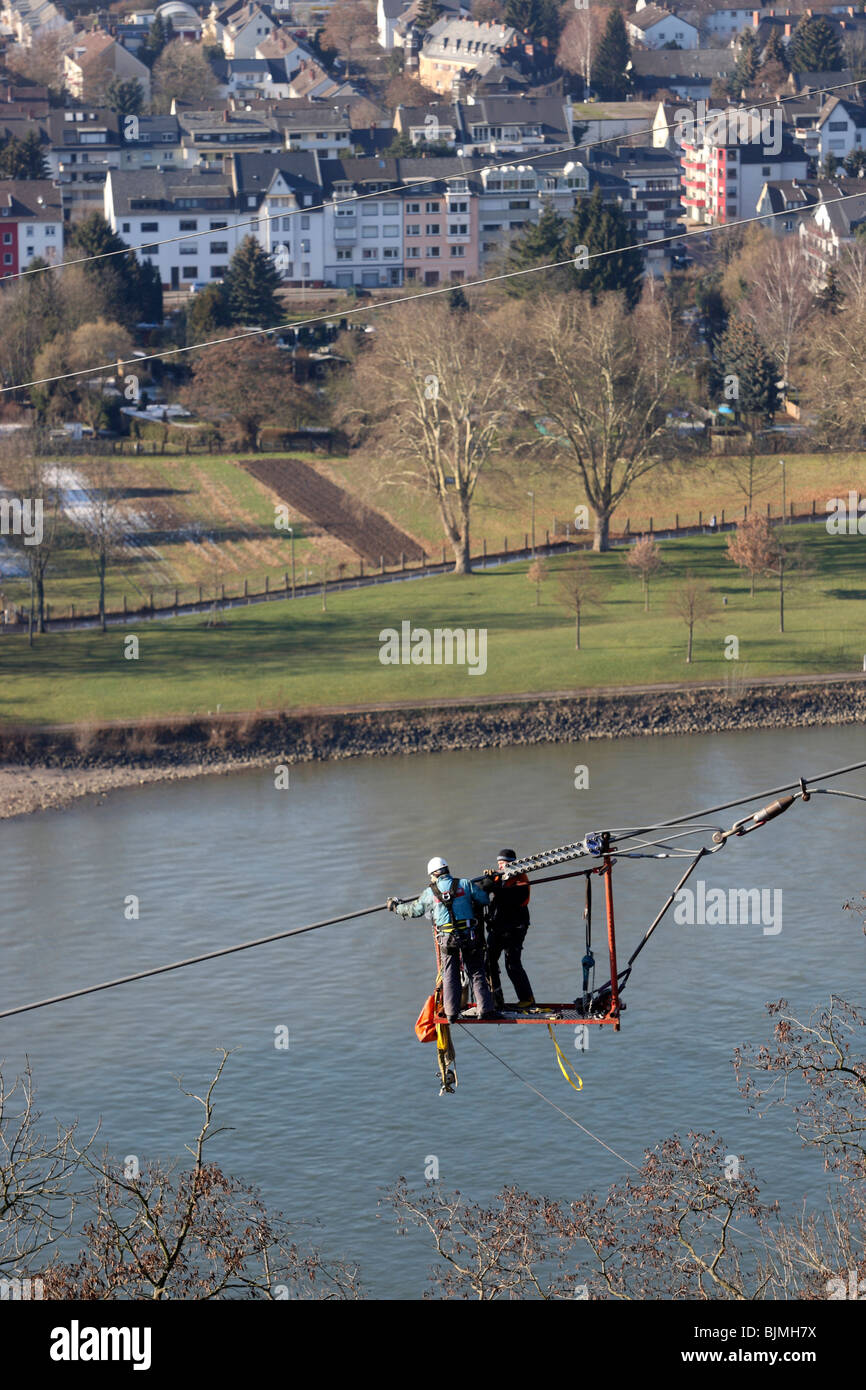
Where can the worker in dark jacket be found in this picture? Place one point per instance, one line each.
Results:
(454, 906)
(507, 925)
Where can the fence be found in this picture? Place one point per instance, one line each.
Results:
(560, 538)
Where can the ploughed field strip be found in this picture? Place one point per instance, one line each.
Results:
(344, 517)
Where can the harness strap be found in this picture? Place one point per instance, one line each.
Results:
(564, 1066)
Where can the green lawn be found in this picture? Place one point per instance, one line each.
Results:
(286, 655)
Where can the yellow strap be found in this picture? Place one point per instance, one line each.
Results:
(563, 1065)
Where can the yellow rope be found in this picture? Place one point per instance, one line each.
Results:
(564, 1067)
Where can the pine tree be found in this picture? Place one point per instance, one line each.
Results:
(158, 35)
(751, 370)
(776, 52)
(815, 46)
(831, 296)
(252, 281)
(23, 159)
(428, 13)
(600, 227)
(538, 243)
(747, 60)
(131, 289)
(609, 76)
(125, 97)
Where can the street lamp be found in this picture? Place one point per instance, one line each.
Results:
(782, 463)
(532, 495)
(291, 531)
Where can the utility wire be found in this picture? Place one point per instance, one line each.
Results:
(190, 960)
(403, 299)
(404, 187)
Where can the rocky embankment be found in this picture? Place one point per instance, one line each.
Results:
(46, 768)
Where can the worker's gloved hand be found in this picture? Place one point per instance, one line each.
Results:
(392, 904)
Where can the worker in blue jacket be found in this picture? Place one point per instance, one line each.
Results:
(454, 905)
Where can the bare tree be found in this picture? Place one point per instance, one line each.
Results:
(36, 1200)
(103, 526)
(159, 1233)
(433, 394)
(536, 574)
(601, 376)
(751, 472)
(780, 302)
(753, 546)
(34, 483)
(579, 40)
(645, 559)
(692, 602)
(351, 25)
(579, 588)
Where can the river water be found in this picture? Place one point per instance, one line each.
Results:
(324, 1126)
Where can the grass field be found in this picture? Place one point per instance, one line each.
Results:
(212, 524)
(290, 655)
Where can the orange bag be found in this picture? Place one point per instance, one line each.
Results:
(425, 1028)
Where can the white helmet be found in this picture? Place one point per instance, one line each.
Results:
(437, 865)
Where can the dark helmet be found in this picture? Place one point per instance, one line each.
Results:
(507, 854)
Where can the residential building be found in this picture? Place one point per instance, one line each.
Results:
(723, 178)
(396, 18)
(31, 224)
(95, 59)
(690, 74)
(84, 145)
(285, 195)
(206, 136)
(832, 227)
(457, 47)
(651, 198)
(653, 26)
(147, 207)
(725, 22)
(841, 128)
(26, 20)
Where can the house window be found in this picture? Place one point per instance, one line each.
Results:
(305, 222)
(188, 250)
(150, 226)
(412, 207)
(217, 272)
(432, 252)
(125, 227)
(31, 231)
(391, 208)
(219, 248)
(519, 203)
(458, 229)
(390, 253)
(458, 250)
(413, 229)
(369, 210)
(458, 207)
(432, 229)
(369, 231)
(391, 229)
(431, 207)
(370, 253)
(188, 224)
(7, 238)
(287, 224)
(7, 259)
(189, 272)
(51, 230)
(413, 253)
(343, 255)
(218, 226)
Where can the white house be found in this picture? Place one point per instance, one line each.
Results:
(295, 238)
(146, 207)
(725, 22)
(841, 128)
(654, 27)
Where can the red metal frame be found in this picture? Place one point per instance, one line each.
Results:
(563, 1013)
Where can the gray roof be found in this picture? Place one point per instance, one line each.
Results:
(142, 190)
(690, 62)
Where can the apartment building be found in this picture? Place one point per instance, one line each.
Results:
(146, 207)
(653, 26)
(283, 196)
(31, 224)
(84, 145)
(723, 179)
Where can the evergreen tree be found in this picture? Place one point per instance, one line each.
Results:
(23, 159)
(457, 300)
(207, 314)
(158, 35)
(125, 97)
(854, 163)
(747, 60)
(609, 76)
(831, 296)
(750, 369)
(538, 18)
(815, 46)
(538, 243)
(600, 227)
(428, 13)
(132, 289)
(776, 52)
(251, 283)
